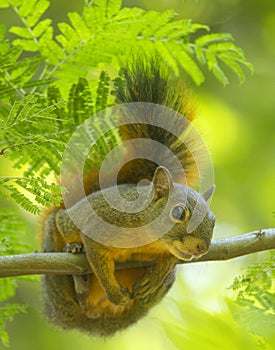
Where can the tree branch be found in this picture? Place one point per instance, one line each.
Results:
(67, 263)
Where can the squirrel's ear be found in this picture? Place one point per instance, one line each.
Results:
(162, 181)
(206, 195)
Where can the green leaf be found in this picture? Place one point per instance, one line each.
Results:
(215, 68)
(37, 11)
(79, 26)
(69, 40)
(96, 13)
(233, 66)
(219, 73)
(4, 4)
(80, 102)
(5, 338)
(21, 31)
(102, 92)
(208, 39)
(22, 200)
(49, 48)
(160, 28)
(26, 7)
(113, 7)
(179, 30)
(167, 55)
(16, 3)
(27, 45)
(41, 27)
(43, 193)
(200, 54)
(186, 62)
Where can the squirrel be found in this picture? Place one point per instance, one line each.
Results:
(110, 299)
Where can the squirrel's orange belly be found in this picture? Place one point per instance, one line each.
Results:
(97, 303)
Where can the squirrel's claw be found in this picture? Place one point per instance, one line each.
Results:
(74, 248)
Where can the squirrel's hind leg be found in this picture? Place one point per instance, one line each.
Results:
(155, 278)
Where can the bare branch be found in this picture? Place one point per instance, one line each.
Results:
(66, 263)
(248, 243)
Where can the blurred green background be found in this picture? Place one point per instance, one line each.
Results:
(239, 127)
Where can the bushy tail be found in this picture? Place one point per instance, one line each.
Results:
(148, 83)
(157, 113)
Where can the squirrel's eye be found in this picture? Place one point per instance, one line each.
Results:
(179, 213)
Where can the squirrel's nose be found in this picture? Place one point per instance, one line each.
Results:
(195, 246)
(191, 247)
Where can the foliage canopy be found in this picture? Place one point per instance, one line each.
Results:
(41, 69)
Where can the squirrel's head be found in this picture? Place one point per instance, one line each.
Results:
(193, 222)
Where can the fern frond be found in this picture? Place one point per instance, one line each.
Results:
(102, 93)
(134, 29)
(104, 31)
(212, 48)
(33, 134)
(19, 197)
(35, 131)
(30, 12)
(42, 192)
(80, 103)
(18, 75)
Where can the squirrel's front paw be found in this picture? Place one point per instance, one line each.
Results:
(74, 248)
(119, 297)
